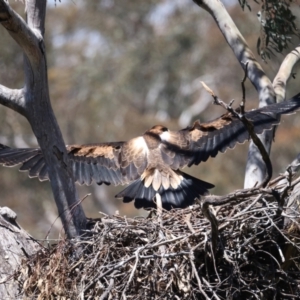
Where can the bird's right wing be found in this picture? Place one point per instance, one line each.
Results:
(97, 162)
(31, 159)
(110, 163)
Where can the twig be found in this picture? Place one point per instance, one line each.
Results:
(198, 279)
(213, 252)
(123, 257)
(210, 288)
(209, 213)
(109, 288)
(250, 128)
(283, 235)
(188, 222)
(137, 252)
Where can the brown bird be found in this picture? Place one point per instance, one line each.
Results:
(151, 163)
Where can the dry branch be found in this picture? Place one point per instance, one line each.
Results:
(249, 126)
(255, 168)
(122, 257)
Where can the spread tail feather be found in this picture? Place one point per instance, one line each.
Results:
(181, 197)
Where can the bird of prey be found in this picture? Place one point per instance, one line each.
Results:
(151, 163)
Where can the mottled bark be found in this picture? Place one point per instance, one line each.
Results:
(15, 244)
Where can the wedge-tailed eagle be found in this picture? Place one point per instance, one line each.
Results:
(151, 163)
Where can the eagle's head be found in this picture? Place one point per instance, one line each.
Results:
(158, 129)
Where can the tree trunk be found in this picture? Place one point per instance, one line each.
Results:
(15, 245)
(33, 102)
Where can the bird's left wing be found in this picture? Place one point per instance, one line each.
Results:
(200, 141)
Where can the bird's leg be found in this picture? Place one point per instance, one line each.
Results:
(162, 248)
(159, 206)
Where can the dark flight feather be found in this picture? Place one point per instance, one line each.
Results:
(150, 163)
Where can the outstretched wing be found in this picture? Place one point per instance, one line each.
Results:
(96, 162)
(110, 163)
(123, 162)
(197, 143)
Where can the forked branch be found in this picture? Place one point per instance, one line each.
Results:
(241, 50)
(249, 126)
(255, 169)
(33, 102)
(27, 38)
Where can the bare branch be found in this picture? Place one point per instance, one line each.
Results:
(241, 50)
(27, 38)
(13, 99)
(210, 214)
(284, 73)
(34, 103)
(249, 126)
(255, 169)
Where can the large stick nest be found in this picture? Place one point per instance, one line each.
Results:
(173, 255)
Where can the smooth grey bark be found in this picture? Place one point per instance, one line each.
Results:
(284, 73)
(33, 102)
(255, 168)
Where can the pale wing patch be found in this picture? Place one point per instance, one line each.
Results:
(199, 130)
(134, 149)
(139, 143)
(140, 146)
(92, 151)
(218, 123)
(196, 134)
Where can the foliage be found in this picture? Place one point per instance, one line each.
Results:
(278, 24)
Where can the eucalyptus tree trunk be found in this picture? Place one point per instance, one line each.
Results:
(268, 93)
(33, 102)
(15, 244)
